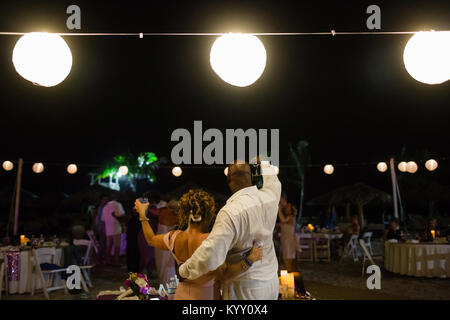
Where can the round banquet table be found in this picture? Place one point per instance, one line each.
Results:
(418, 259)
(21, 283)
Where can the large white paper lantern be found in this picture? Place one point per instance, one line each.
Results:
(382, 166)
(7, 165)
(431, 165)
(239, 59)
(38, 167)
(42, 58)
(402, 166)
(427, 56)
(328, 169)
(72, 168)
(176, 171)
(411, 167)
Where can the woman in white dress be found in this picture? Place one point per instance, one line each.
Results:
(287, 213)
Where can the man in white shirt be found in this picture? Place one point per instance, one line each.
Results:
(113, 228)
(249, 214)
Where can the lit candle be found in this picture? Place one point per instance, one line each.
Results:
(283, 284)
(310, 227)
(433, 233)
(22, 239)
(290, 285)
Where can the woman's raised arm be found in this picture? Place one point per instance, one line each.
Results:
(153, 240)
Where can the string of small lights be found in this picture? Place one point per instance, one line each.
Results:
(403, 166)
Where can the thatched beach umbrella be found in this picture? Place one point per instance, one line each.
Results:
(358, 194)
(27, 198)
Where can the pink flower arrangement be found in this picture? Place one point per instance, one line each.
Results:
(139, 284)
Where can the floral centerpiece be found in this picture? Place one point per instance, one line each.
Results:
(137, 285)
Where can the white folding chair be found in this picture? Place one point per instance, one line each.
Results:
(306, 247)
(85, 265)
(367, 256)
(352, 247)
(48, 256)
(367, 237)
(95, 244)
(322, 250)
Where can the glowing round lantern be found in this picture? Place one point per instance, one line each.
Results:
(411, 167)
(431, 165)
(176, 171)
(239, 59)
(328, 169)
(225, 171)
(72, 168)
(402, 166)
(8, 165)
(42, 58)
(382, 166)
(426, 56)
(123, 171)
(38, 167)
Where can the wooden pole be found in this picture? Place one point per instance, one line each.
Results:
(17, 200)
(394, 187)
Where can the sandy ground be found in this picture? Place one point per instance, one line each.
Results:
(331, 281)
(342, 280)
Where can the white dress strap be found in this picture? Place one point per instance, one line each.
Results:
(169, 241)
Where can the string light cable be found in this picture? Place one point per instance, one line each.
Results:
(215, 34)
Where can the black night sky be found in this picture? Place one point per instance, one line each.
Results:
(350, 97)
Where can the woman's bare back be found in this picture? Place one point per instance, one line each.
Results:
(186, 243)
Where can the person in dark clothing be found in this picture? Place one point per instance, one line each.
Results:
(133, 254)
(393, 232)
(431, 231)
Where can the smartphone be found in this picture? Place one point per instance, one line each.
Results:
(256, 169)
(258, 243)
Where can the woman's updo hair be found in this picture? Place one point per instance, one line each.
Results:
(200, 204)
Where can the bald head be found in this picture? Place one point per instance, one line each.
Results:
(239, 176)
(240, 170)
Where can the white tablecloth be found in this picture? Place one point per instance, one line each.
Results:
(419, 260)
(331, 236)
(25, 268)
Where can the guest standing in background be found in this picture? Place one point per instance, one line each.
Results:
(133, 252)
(427, 235)
(167, 221)
(113, 228)
(289, 243)
(101, 228)
(393, 232)
(286, 214)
